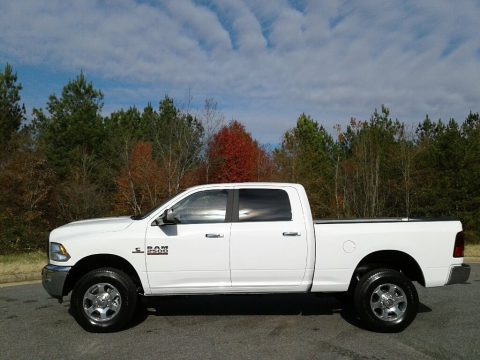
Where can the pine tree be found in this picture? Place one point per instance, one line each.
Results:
(12, 113)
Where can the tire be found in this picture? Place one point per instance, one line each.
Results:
(104, 300)
(345, 299)
(385, 300)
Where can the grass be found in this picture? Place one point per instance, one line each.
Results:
(472, 250)
(22, 263)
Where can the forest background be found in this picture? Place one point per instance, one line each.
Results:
(70, 162)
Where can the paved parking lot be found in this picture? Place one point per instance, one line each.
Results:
(34, 326)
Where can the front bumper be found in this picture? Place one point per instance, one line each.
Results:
(53, 279)
(459, 274)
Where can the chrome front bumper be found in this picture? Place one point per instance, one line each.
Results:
(53, 279)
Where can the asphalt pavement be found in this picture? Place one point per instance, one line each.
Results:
(291, 326)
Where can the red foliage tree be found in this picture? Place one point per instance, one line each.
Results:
(139, 186)
(235, 156)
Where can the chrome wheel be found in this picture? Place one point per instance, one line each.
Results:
(102, 302)
(388, 302)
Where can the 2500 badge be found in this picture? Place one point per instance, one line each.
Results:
(157, 250)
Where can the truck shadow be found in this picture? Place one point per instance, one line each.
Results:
(268, 304)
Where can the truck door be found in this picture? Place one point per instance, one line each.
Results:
(194, 253)
(268, 244)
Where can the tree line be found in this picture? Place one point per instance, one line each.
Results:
(70, 162)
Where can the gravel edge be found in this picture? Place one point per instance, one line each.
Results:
(14, 278)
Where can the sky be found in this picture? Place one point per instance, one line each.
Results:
(264, 62)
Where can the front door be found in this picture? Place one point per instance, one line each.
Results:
(192, 255)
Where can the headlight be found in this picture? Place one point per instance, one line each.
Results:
(58, 252)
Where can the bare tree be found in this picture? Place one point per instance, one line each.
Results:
(177, 140)
(212, 120)
(407, 152)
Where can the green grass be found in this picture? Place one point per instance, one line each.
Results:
(472, 250)
(22, 263)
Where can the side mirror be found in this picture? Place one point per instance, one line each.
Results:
(166, 218)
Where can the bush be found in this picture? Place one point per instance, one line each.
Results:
(472, 237)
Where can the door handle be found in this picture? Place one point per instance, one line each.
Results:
(291, 233)
(211, 236)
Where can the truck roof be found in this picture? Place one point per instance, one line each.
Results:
(266, 184)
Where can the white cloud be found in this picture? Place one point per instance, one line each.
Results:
(264, 60)
(200, 23)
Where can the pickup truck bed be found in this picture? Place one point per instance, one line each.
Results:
(426, 245)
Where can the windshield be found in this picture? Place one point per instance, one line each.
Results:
(149, 212)
(146, 214)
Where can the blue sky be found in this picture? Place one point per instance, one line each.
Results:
(264, 62)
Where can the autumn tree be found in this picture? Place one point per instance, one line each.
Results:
(25, 177)
(235, 156)
(212, 119)
(140, 185)
(123, 129)
(175, 145)
(26, 181)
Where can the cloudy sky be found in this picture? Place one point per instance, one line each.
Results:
(264, 62)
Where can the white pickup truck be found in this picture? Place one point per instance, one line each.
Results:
(249, 238)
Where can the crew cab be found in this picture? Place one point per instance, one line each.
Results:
(249, 238)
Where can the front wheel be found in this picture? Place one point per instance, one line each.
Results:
(385, 300)
(104, 300)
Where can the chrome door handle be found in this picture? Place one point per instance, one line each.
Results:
(214, 235)
(291, 233)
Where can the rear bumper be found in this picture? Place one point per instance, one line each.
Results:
(458, 274)
(53, 279)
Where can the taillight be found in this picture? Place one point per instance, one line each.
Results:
(459, 245)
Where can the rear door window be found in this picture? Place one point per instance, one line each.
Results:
(263, 205)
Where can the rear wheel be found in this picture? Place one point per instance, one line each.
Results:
(104, 300)
(385, 300)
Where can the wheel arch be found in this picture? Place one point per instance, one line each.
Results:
(97, 261)
(394, 259)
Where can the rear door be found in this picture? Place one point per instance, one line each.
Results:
(268, 243)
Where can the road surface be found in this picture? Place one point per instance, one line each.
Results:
(34, 326)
